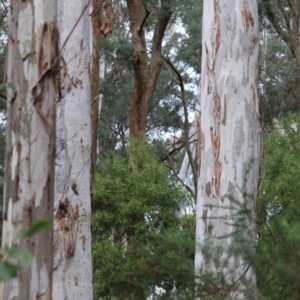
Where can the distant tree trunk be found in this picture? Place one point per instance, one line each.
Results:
(30, 143)
(72, 278)
(97, 73)
(146, 71)
(229, 131)
(95, 98)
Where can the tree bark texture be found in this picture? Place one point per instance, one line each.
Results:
(146, 70)
(229, 130)
(30, 143)
(72, 237)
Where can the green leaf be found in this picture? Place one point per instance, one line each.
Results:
(41, 225)
(23, 256)
(7, 270)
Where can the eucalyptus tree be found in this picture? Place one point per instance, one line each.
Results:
(165, 114)
(229, 142)
(32, 60)
(72, 277)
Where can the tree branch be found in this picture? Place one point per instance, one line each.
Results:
(186, 122)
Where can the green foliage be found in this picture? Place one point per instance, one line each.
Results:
(23, 256)
(117, 90)
(140, 242)
(278, 257)
(7, 270)
(37, 227)
(20, 257)
(190, 45)
(280, 80)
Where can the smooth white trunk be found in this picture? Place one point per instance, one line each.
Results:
(30, 143)
(72, 236)
(229, 132)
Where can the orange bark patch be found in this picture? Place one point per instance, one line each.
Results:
(247, 16)
(217, 171)
(217, 107)
(215, 143)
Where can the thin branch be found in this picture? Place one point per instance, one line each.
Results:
(273, 20)
(75, 25)
(186, 121)
(171, 167)
(144, 20)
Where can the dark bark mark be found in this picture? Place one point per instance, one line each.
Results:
(67, 216)
(208, 189)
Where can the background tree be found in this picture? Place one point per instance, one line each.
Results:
(143, 209)
(165, 117)
(30, 143)
(146, 69)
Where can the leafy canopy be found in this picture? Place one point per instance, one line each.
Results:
(278, 253)
(140, 241)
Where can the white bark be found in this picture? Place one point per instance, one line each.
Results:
(72, 278)
(30, 143)
(101, 76)
(229, 132)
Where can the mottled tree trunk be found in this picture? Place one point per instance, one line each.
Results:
(72, 237)
(229, 131)
(30, 143)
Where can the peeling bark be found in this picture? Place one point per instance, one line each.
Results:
(72, 277)
(229, 131)
(30, 143)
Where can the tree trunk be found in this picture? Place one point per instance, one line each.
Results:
(72, 237)
(146, 72)
(229, 131)
(30, 143)
(95, 97)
